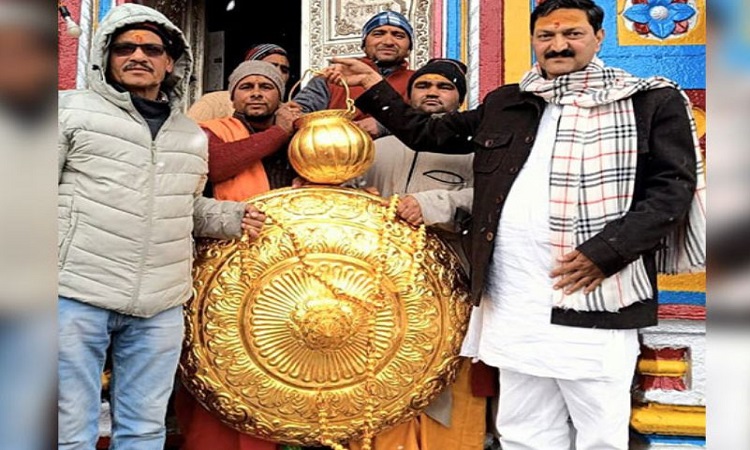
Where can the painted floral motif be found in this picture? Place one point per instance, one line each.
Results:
(662, 18)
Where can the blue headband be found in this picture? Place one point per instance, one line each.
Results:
(388, 18)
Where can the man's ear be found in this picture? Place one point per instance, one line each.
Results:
(170, 64)
(599, 38)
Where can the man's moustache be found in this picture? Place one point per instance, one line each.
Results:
(137, 66)
(567, 53)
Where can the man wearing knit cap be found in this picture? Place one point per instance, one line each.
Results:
(435, 183)
(273, 54)
(246, 157)
(436, 190)
(217, 105)
(387, 38)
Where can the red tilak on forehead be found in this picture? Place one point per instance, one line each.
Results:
(563, 17)
(138, 36)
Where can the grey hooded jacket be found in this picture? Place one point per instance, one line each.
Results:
(128, 204)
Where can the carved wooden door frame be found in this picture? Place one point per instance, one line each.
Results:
(332, 27)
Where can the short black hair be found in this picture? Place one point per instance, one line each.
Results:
(594, 12)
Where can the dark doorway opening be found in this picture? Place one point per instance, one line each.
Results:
(253, 22)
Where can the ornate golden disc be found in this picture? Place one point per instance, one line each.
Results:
(334, 322)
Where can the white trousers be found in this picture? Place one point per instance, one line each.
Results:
(534, 411)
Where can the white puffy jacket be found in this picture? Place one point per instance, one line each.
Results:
(128, 204)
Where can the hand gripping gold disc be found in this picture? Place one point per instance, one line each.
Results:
(339, 321)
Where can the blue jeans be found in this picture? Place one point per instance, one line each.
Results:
(145, 354)
(27, 380)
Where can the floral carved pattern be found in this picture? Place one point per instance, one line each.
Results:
(335, 27)
(296, 323)
(660, 18)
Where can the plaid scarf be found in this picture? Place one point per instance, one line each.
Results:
(593, 176)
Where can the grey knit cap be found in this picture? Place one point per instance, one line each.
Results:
(247, 68)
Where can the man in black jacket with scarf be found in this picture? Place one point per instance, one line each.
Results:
(588, 181)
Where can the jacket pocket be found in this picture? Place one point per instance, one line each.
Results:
(491, 149)
(443, 179)
(67, 240)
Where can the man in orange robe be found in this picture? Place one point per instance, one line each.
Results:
(247, 157)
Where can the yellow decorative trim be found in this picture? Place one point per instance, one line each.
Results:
(694, 36)
(663, 368)
(517, 40)
(689, 282)
(700, 121)
(669, 419)
(95, 15)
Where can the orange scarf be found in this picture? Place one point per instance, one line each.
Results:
(251, 181)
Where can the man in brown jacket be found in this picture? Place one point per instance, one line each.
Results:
(588, 180)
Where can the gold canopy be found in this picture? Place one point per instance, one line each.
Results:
(339, 321)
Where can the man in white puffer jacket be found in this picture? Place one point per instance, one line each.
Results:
(131, 174)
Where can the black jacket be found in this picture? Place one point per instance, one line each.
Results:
(501, 133)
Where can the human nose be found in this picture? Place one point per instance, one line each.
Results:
(388, 40)
(138, 54)
(559, 43)
(433, 91)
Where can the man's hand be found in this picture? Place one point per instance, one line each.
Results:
(353, 71)
(299, 182)
(576, 271)
(252, 222)
(286, 115)
(409, 210)
(372, 190)
(370, 125)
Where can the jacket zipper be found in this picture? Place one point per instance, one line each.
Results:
(411, 172)
(150, 221)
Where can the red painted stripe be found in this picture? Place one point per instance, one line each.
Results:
(67, 62)
(685, 312)
(649, 383)
(490, 46)
(670, 354)
(437, 29)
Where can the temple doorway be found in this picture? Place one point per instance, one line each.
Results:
(233, 26)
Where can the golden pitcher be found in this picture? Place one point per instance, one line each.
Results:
(328, 147)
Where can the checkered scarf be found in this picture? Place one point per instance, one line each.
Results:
(593, 175)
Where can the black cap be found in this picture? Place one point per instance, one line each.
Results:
(453, 71)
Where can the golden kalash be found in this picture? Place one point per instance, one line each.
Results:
(339, 321)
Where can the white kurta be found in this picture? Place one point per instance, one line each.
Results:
(511, 328)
